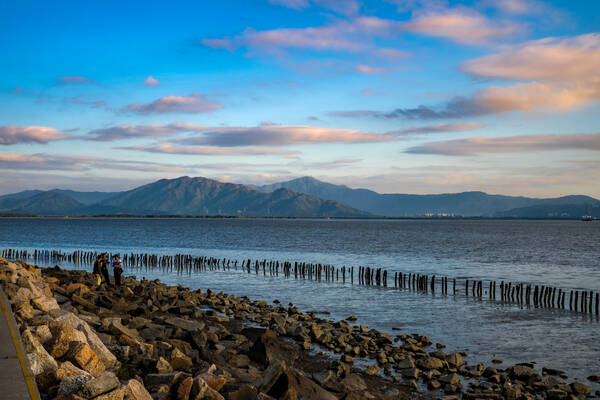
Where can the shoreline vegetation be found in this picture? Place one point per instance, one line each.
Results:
(159, 216)
(147, 340)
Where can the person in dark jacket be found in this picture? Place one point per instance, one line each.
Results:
(104, 268)
(117, 265)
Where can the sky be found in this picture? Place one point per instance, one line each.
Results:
(397, 96)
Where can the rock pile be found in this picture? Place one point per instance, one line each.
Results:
(149, 341)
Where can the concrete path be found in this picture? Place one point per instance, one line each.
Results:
(16, 381)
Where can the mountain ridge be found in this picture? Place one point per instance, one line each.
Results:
(468, 204)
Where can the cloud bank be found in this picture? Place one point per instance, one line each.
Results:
(12, 134)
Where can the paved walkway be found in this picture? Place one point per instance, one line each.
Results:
(16, 381)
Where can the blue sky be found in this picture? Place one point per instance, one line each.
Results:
(402, 96)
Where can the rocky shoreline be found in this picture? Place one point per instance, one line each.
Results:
(148, 341)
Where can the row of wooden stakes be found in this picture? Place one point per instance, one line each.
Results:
(524, 294)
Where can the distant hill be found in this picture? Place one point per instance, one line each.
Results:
(467, 204)
(82, 197)
(202, 196)
(44, 203)
(565, 210)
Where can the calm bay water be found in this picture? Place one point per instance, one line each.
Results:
(558, 253)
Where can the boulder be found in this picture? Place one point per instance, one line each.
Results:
(270, 348)
(72, 384)
(184, 388)
(37, 354)
(180, 360)
(62, 336)
(521, 372)
(201, 390)
(82, 355)
(163, 366)
(354, 383)
(134, 390)
(455, 360)
(117, 394)
(92, 338)
(430, 363)
(450, 379)
(580, 388)
(45, 303)
(283, 382)
(100, 385)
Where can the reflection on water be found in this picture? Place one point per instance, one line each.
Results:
(558, 253)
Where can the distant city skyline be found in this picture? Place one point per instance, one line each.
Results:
(396, 96)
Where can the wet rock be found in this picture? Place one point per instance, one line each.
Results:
(430, 363)
(100, 385)
(434, 385)
(450, 379)
(521, 372)
(406, 363)
(510, 391)
(410, 373)
(556, 394)
(372, 370)
(455, 360)
(580, 388)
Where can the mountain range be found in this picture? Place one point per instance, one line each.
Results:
(302, 197)
(467, 204)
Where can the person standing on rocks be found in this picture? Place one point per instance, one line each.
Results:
(97, 272)
(104, 268)
(117, 265)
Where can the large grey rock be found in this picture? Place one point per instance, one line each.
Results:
(45, 303)
(37, 354)
(72, 384)
(100, 385)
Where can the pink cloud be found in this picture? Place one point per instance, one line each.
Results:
(549, 59)
(462, 26)
(169, 148)
(280, 135)
(12, 134)
(343, 36)
(151, 81)
(368, 69)
(510, 144)
(192, 104)
(17, 90)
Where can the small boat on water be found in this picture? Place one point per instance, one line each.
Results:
(587, 218)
